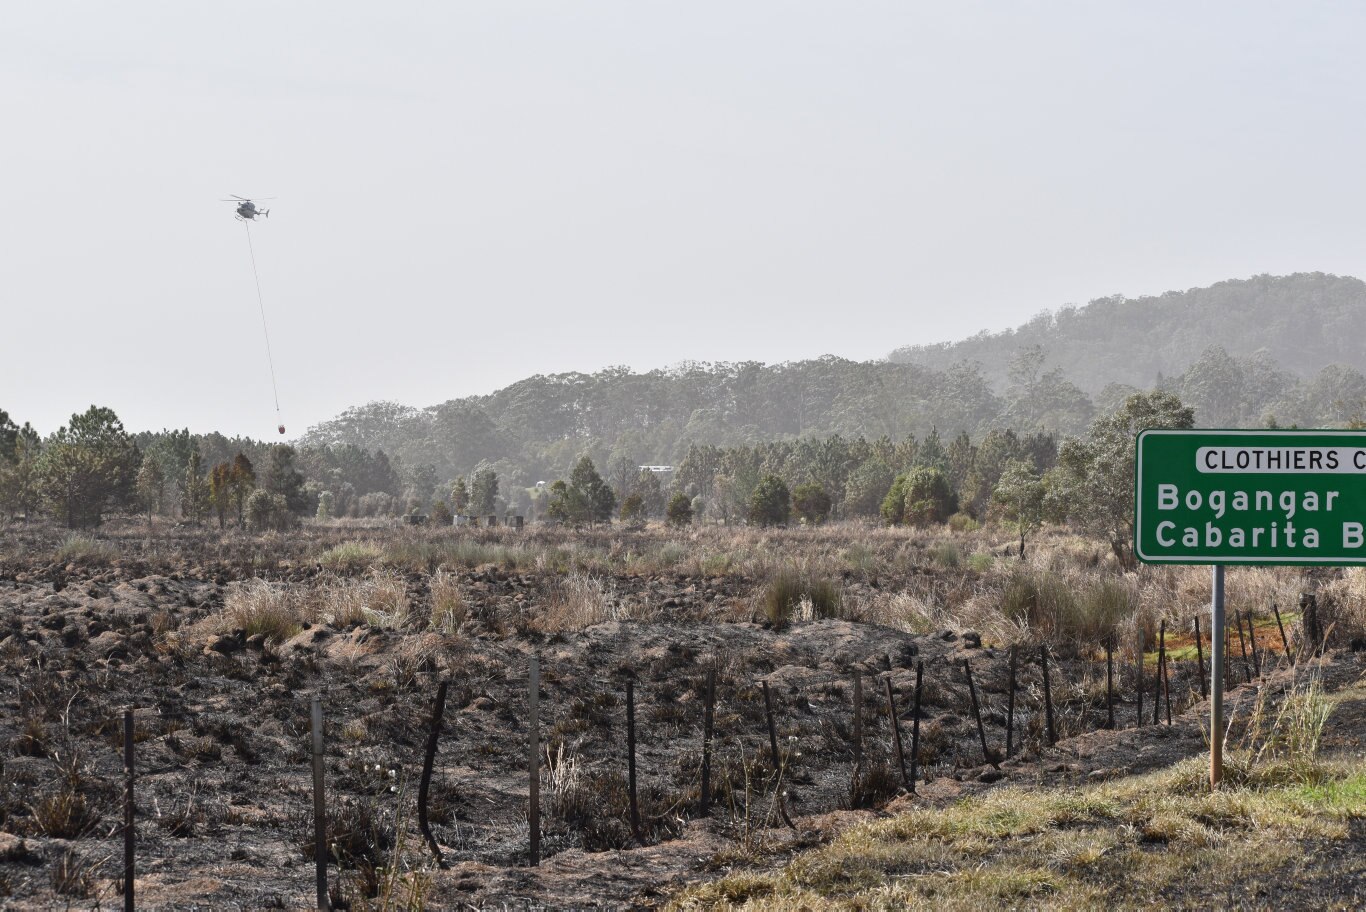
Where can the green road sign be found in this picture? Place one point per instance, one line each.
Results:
(1250, 497)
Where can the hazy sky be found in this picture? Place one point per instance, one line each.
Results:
(473, 193)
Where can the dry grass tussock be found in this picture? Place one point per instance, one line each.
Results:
(279, 610)
(1345, 604)
(258, 606)
(577, 601)
(1281, 738)
(700, 551)
(379, 599)
(448, 602)
(1070, 608)
(1070, 591)
(794, 596)
(923, 608)
(1179, 593)
(1126, 844)
(83, 549)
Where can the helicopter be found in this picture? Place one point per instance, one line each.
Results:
(246, 209)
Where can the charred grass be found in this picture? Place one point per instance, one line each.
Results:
(389, 612)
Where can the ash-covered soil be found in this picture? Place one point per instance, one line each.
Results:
(222, 729)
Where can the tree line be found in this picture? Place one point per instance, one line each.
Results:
(92, 466)
(537, 429)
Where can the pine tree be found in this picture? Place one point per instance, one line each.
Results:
(929, 497)
(89, 466)
(284, 479)
(563, 505)
(9, 437)
(196, 491)
(19, 479)
(679, 512)
(243, 483)
(632, 508)
(650, 492)
(221, 490)
(811, 503)
(771, 502)
(151, 486)
(598, 501)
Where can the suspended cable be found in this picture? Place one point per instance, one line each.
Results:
(260, 301)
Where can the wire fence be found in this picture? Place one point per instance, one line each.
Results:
(758, 749)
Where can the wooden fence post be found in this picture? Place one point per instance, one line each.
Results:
(1228, 658)
(631, 759)
(1166, 687)
(1200, 657)
(896, 733)
(1110, 681)
(977, 714)
(1138, 690)
(1010, 705)
(534, 757)
(858, 723)
(1242, 646)
(1157, 684)
(1047, 696)
(773, 750)
(708, 716)
(319, 804)
(428, 760)
(129, 874)
(1285, 642)
(915, 725)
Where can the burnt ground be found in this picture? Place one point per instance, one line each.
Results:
(222, 730)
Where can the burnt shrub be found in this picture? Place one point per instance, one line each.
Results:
(874, 786)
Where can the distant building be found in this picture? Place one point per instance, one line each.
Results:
(658, 470)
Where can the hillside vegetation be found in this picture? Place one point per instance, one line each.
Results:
(1242, 353)
(1303, 322)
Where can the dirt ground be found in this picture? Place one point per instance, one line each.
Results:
(222, 729)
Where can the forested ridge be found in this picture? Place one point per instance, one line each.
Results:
(905, 441)
(1303, 322)
(1248, 352)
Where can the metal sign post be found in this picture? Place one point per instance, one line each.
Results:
(1216, 672)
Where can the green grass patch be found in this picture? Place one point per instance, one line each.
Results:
(944, 554)
(981, 561)
(1345, 796)
(82, 549)
(1125, 844)
(1181, 647)
(350, 557)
